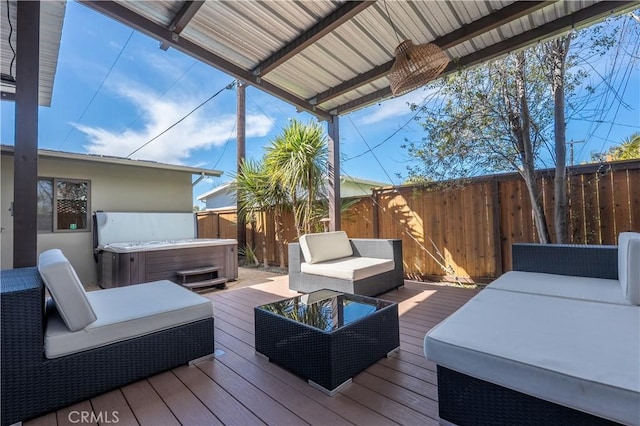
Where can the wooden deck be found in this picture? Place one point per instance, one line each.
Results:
(239, 387)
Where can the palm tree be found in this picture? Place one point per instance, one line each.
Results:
(257, 193)
(297, 159)
(629, 149)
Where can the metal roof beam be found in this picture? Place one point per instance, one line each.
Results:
(323, 27)
(543, 32)
(467, 32)
(150, 28)
(182, 19)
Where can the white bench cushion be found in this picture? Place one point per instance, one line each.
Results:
(66, 289)
(581, 288)
(575, 353)
(349, 268)
(629, 265)
(325, 246)
(128, 312)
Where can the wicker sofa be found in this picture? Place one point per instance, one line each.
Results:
(555, 341)
(42, 367)
(331, 260)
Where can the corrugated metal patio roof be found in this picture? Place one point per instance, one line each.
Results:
(331, 57)
(51, 18)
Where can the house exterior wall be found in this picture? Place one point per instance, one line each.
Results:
(353, 189)
(113, 188)
(223, 198)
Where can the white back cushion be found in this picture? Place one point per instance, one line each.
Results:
(325, 246)
(629, 265)
(65, 289)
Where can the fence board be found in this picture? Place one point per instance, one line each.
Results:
(634, 199)
(472, 224)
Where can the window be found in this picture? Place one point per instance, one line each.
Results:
(63, 205)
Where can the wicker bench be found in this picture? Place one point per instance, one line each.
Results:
(331, 260)
(32, 384)
(555, 341)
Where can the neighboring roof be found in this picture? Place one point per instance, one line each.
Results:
(225, 186)
(46, 153)
(51, 18)
(330, 57)
(364, 181)
(214, 191)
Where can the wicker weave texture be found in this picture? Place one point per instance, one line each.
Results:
(33, 385)
(415, 66)
(565, 259)
(327, 358)
(465, 400)
(370, 286)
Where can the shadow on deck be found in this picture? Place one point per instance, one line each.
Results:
(239, 387)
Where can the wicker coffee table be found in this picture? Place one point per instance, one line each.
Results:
(327, 337)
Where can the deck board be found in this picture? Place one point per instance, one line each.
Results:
(240, 387)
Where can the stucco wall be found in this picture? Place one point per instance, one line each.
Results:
(113, 188)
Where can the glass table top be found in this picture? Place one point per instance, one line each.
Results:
(325, 309)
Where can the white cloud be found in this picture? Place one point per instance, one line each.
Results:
(197, 131)
(395, 107)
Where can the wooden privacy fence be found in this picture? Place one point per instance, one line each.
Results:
(465, 229)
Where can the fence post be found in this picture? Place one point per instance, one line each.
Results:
(497, 239)
(375, 218)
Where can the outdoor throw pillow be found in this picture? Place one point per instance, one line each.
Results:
(325, 246)
(629, 265)
(65, 289)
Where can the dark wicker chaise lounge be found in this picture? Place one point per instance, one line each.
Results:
(33, 385)
(556, 341)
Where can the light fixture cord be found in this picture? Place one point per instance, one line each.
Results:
(395, 31)
(10, 45)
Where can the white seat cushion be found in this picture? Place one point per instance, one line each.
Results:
(581, 288)
(575, 353)
(629, 265)
(66, 289)
(325, 246)
(349, 268)
(127, 312)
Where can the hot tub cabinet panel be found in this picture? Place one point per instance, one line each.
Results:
(117, 269)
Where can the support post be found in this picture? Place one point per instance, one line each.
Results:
(25, 159)
(333, 130)
(241, 142)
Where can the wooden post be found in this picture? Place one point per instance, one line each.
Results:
(333, 130)
(241, 139)
(25, 158)
(375, 214)
(497, 234)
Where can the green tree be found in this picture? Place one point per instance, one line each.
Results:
(257, 192)
(297, 160)
(629, 149)
(500, 116)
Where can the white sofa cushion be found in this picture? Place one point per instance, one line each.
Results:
(128, 312)
(325, 246)
(629, 265)
(66, 289)
(575, 353)
(581, 288)
(349, 268)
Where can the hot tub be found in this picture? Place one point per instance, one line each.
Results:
(159, 245)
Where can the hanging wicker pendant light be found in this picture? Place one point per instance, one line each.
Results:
(415, 66)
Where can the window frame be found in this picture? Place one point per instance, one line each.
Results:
(54, 222)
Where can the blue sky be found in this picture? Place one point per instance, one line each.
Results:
(149, 89)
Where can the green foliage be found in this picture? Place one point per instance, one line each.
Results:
(297, 161)
(466, 123)
(628, 149)
(249, 254)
